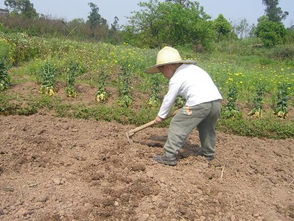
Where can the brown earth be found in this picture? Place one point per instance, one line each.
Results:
(68, 169)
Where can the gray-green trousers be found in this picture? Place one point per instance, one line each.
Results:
(202, 116)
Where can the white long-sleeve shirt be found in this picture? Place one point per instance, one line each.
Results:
(192, 83)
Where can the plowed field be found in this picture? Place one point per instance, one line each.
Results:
(68, 169)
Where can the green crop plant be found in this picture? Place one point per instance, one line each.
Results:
(7, 50)
(231, 109)
(73, 72)
(125, 98)
(102, 94)
(4, 77)
(180, 101)
(48, 75)
(281, 107)
(258, 101)
(154, 99)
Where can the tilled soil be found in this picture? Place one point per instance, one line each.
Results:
(68, 169)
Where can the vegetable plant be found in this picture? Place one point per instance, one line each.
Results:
(102, 94)
(281, 108)
(48, 75)
(125, 98)
(4, 77)
(154, 99)
(258, 101)
(180, 101)
(71, 79)
(231, 110)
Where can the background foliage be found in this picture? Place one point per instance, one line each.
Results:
(252, 66)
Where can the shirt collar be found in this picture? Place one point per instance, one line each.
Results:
(179, 69)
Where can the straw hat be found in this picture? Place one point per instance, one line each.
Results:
(167, 55)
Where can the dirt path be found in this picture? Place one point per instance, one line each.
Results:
(68, 169)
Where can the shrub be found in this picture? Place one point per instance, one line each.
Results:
(5, 50)
(290, 36)
(271, 33)
(283, 52)
(22, 47)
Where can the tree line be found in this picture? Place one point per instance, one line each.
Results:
(157, 23)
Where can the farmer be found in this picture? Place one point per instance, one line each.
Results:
(202, 108)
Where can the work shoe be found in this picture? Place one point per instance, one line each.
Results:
(184, 153)
(167, 160)
(200, 153)
(209, 158)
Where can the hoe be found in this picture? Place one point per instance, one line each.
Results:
(130, 133)
(133, 131)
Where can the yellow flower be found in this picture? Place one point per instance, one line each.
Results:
(51, 92)
(281, 114)
(101, 97)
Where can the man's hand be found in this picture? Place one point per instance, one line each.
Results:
(158, 119)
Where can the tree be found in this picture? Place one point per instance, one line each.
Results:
(274, 12)
(98, 25)
(185, 3)
(252, 31)
(95, 19)
(170, 23)
(22, 7)
(223, 28)
(242, 29)
(114, 35)
(271, 33)
(114, 25)
(77, 21)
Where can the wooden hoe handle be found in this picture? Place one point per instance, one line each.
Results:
(132, 132)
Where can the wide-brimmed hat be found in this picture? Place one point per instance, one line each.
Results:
(167, 55)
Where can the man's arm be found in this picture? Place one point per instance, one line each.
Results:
(158, 119)
(169, 100)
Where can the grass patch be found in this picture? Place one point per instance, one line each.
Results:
(263, 127)
(268, 127)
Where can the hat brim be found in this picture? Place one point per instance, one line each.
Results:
(154, 69)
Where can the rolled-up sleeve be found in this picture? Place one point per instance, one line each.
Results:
(169, 99)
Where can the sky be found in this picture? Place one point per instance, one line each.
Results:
(233, 10)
